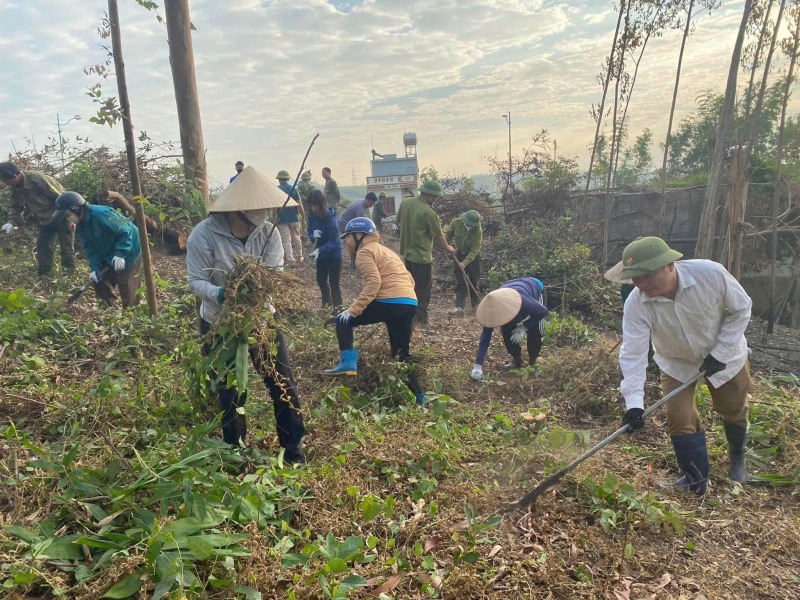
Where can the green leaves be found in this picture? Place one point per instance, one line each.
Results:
(125, 588)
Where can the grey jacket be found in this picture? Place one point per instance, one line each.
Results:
(210, 253)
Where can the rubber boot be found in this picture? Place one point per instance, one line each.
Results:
(692, 456)
(420, 396)
(348, 363)
(514, 363)
(293, 455)
(235, 431)
(737, 435)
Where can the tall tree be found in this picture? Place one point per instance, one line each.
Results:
(181, 60)
(605, 82)
(708, 225)
(130, 150)
(791, 48)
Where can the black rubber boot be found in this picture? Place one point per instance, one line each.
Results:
(234, 432)
(737, 436)
(692, 456)
(514, 363)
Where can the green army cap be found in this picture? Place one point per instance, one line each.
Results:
(645, 255)
(382, 195)
(471, 218)
(432, 188)
(306, 176)
(283, 174)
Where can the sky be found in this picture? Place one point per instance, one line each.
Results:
(272, 73)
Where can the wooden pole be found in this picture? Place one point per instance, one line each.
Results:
(181, 60)
(130, 150)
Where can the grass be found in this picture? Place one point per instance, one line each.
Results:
(113, 481)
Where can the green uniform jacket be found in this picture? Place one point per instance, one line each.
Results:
(37, 194)
(419, 225)
(468, 241)
(105, 233)
(332, 196)
(305, 188)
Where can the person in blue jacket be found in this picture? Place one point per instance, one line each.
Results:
(111, 244)
(517, 308)
(323, 232)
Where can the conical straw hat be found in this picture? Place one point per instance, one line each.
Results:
(250, 191)
(614, 274)
(498, 307)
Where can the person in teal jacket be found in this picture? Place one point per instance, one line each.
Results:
(111, 244)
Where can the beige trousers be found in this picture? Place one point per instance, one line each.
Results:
(292, 244)
(729, 400)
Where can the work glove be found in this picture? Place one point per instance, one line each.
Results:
(345, 317)
(7, 227)
(220, 295)
(314, 255)
(118, 263)
(94, 276)
(462, 265)
(711, 365)
(317, 234)
(518, 333)
(477, 372)
(634, 418)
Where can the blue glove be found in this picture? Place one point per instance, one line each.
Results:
(220, 295)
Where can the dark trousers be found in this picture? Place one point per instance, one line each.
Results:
(328, 273)
(45, 245)
(473, 271)
(127, 281)
(282, 389)
(534, 338)
(423, 285)
(399, 319)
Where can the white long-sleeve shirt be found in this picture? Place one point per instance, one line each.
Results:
(708, 316)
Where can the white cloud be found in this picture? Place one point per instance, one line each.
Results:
(271, 74)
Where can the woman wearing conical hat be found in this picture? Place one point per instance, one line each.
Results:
(236, 226)
(517, 308)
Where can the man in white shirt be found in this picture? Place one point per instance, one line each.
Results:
(696, 313)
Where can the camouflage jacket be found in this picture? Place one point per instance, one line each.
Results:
(332, 196)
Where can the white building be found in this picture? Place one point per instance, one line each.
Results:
(396, 176)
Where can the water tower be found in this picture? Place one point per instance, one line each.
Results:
(396, 176)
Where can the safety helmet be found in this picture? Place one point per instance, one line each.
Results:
(360, 225)
(68, 201)
(471, 218)
(283, 174)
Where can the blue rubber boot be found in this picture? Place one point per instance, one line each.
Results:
(420, 396)
(692, 455)
(348, 363)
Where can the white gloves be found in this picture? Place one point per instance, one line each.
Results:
(118, 263)
(518, 333)
(317, 234)
(477, 372)
(7, 227)
(94, 276)
(313, 256)
(345, 316)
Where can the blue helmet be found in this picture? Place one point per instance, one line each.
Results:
(360, 225)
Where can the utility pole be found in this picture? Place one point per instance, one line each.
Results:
(181, 60)
(130, 150)
(507, 117)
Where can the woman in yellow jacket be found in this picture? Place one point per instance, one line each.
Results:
(387, 297)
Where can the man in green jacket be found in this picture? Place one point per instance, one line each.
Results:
(111, 243)
(304, 188)
(419, 225)
(467, 233)
(332, 195)
(36, 193)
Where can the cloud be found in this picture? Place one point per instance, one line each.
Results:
(273, 73)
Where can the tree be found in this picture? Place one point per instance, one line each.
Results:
(428, 173)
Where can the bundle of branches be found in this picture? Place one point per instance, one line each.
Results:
(246, 324)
